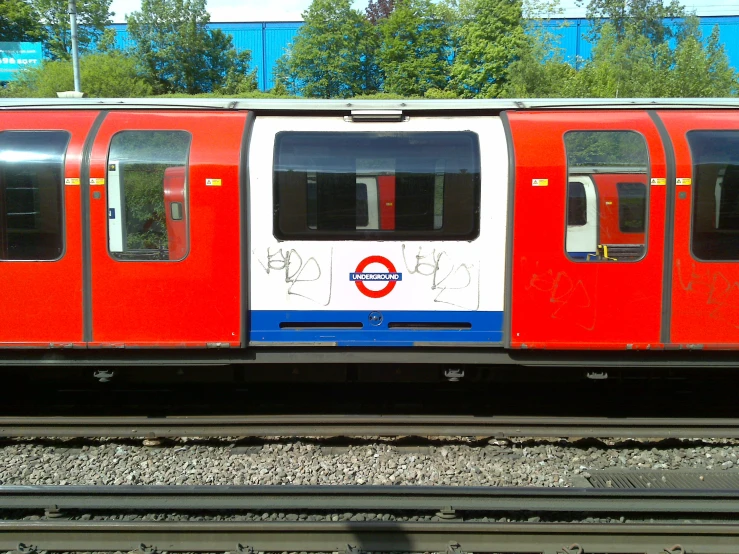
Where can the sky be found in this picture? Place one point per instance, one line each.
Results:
(290, 10)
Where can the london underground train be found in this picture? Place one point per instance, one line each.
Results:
(464, 231)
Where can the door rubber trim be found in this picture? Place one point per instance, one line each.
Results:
(508, 294)
(669, 251)
(244, 189)
(87, 330)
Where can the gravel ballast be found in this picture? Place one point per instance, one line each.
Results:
(526, 463)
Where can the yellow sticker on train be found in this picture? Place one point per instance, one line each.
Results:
(71, 181)
(97, 181)
(659, 182)
(212, 182)
(539, 182)
(684, 181)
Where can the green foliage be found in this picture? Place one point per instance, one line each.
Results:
(633, 67)
(606, 149)
(107, 75)
(146, 222)
(332, 55)
(647, 17)
(626, 63)
(629, 67)
(490, 39)
(144, 157)
(701, 71)
(92, 17)
(179, 53)
(415, 49)
(19, 22)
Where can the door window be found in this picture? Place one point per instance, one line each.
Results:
(31, 186)
(606, 195)
(147, 195)
(715, 157)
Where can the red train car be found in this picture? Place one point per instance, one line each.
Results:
(460, 232)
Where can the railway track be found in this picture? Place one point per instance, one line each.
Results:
(462, 528)
(390, 426)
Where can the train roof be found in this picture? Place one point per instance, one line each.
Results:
(349, 105)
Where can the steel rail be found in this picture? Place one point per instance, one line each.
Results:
(390, 426)
(364, 499)
(369, 536)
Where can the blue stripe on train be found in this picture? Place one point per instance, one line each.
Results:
(386, 328)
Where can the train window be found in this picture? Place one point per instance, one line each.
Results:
(715, 157)
(607, 195)
(376, 185)
(147, 195)
(632, 199)
(31, 189)
(577, 212)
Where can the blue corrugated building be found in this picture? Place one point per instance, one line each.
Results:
(267, 41)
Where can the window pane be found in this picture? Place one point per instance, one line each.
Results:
(632, 199)
(577, 213)
(715, 194)
(376, 185)
(31, 186)
(607, 195)
(147, 195)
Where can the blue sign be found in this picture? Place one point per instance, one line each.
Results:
(15, 56)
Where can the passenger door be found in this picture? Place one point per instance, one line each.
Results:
(40, 229)
(165, 204)
(562, 295)
(705, 284)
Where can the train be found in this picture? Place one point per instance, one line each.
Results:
(448, 232)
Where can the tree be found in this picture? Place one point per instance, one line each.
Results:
(180, 54)
(332, 55)
(634, 67)
(708, 62)
(651, 17)
(540, 70)
(415, 50)
(490, 37)
(378, 10)
(19, 22)
(92, 18)
(108, 75)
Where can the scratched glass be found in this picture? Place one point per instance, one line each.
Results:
(715, 191)
(147, 196)
(31, 199)
(606, 214)
(376, 186)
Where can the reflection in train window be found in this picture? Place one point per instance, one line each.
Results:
(715, 157)
(632, 199)
(607, 195)
(577, 212)
(376, 185)
(147, 195)
(31, 187)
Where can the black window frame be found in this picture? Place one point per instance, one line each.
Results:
(441, 234)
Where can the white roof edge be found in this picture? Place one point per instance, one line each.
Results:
(347, 105)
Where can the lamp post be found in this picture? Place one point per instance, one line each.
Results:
(75, 48)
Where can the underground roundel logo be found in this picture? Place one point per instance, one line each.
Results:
(388, 278)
